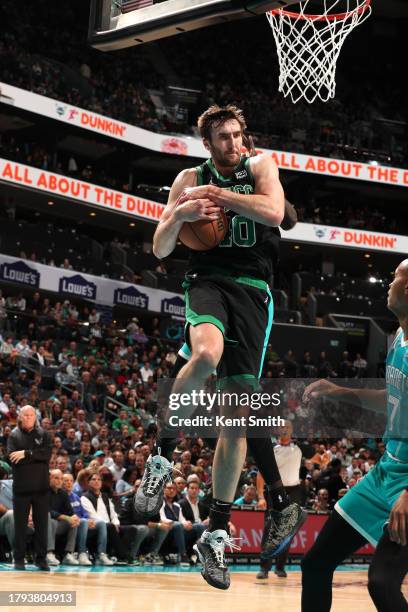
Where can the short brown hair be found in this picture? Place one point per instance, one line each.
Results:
(216, 116)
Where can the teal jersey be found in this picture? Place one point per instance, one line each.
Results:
(249, 248)
(396, 434)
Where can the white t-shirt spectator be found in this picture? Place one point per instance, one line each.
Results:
(23, 348)
(6, 348)
(117, 471)
(4, 409)
(145, 373)
(94, 318)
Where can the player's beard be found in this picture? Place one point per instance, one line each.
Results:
(224, 160)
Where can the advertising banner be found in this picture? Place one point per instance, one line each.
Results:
(79, 191)
(249, 525)
(187, 145)
(105, 291)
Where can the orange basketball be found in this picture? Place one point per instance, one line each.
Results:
(204, 235)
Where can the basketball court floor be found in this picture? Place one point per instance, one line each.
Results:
(160, 589)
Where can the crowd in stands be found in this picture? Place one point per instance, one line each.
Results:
(95, 390)
(55, 61)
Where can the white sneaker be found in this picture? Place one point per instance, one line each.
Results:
(52, 559)
(84, 559)
(103, 559)
(69, 559)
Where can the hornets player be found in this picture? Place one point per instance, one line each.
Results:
(376, 508)
(229, 308)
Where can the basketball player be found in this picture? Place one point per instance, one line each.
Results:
(376, 508)
(229, 309)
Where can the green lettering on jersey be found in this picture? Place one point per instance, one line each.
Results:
(241, 232)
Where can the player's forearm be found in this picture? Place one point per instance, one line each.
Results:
(165, 237)
(260, 485)
(374, 399)
(290, 218)
(266, 209)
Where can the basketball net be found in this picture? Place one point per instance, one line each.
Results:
(308, 45)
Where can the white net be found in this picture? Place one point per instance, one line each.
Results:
(308, 45)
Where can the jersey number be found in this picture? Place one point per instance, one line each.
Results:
(394, 401)
(241, 232)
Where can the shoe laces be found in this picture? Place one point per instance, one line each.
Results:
(158, 472)
(218, 544)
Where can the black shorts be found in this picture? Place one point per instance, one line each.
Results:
(242, 309)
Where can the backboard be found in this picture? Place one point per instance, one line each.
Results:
(116, 24)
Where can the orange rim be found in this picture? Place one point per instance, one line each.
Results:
(335, 16)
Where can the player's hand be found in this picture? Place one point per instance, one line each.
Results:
(318, 389)
(197, 210)
(397, 526)
(232, 529)
(207, 192)
(17, 456)
(261, 505)
(91, 523)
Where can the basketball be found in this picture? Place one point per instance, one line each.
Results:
(204, 235)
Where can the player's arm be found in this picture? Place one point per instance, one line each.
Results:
(290, 219)
(260, 486)
(374, 399)
(176, 213)
(266, 205)
(397, 526)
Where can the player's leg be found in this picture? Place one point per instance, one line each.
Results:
(166, 441)
(249, 320)
(207, 343)
(386, 574)
(227, 467)
(337, 540)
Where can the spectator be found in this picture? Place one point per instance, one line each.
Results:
(172, 514)
(6, 506)
(330, 480)
(87, 526)
(194, 512)
(360, 366)
(146, 371)
(100, 507)
(125, 486)
(71, 444)
(249, 498)
(322, 503)
(63, 521)
(85, 453)
(117, 468)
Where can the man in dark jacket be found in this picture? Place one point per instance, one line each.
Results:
(195, 512)
(63, 521)
(29, 450)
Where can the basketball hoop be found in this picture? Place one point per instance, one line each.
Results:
(309, 45)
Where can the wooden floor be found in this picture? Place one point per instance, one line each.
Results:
(172, 592)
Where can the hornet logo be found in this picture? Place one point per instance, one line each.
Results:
(60, 108)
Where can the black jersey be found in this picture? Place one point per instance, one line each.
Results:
(249, 248)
